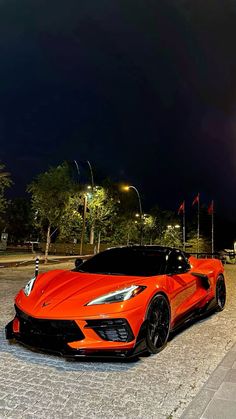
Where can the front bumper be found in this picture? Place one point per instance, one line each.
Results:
(81, 338)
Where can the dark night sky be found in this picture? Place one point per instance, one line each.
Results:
(144, 89)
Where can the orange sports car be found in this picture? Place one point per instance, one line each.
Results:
(121, 302)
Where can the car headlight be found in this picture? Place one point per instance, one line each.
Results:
(29, 286)
(118, 296)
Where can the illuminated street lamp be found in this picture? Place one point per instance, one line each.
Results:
(84, 224)
(127, 188)
(91, 174)
(91, 239)
(77, 168)
(86, 196)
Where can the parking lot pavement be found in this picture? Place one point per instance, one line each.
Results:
(35, 385)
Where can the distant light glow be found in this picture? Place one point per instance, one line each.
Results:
(126, 188)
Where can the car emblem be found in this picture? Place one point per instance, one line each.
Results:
(45, 304)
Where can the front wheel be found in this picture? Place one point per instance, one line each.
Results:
(220, 293)
(158, 324)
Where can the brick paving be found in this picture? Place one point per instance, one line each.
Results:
(35, 385)
(217, 398)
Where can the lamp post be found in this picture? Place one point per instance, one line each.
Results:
(127, 188)
(91, 174)
(91, 238)
(83, 226)
(77, 168)
(90, 169)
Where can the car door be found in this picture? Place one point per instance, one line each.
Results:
(183, 287)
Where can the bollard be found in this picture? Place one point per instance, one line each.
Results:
(36, 266)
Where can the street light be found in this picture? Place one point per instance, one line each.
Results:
(91, 174)
(91, 238)
(77, 168)
(84, 224)
(127, 188)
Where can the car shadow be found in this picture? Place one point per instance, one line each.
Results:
(33, 356)
(180, 329)
(60, 363)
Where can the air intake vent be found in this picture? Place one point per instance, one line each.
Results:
(44, 333)
(115, 330)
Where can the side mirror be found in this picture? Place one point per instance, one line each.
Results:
(78, 262)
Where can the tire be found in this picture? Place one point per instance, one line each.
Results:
(158, 324)
(220, 293)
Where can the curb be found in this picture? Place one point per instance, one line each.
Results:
(28, 262)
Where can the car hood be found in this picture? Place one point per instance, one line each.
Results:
(66, 293)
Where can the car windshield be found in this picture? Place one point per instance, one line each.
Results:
(127, 261)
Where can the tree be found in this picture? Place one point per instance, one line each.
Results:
(101, 210)
(172, 237)
(50, 195)
(5, 182)
(71, 220)
(19, 220)
(125, 230)
(149, 228)
(204, 244)
(162, 219)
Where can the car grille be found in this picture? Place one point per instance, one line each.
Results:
(48, 334)
(116, 330)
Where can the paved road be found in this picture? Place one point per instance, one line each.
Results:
(34, 385)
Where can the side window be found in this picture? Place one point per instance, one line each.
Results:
(177, 263)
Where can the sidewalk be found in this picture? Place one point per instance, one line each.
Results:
(217, 398)
(29, 258)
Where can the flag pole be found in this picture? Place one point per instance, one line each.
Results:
(198, 222)
(182, 209)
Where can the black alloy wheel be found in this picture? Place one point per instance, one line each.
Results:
(158, 324)
(220, 293)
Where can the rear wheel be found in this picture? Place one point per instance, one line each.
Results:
(158, 324)
(220, 293)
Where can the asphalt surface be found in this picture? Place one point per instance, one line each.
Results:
(35, 385)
